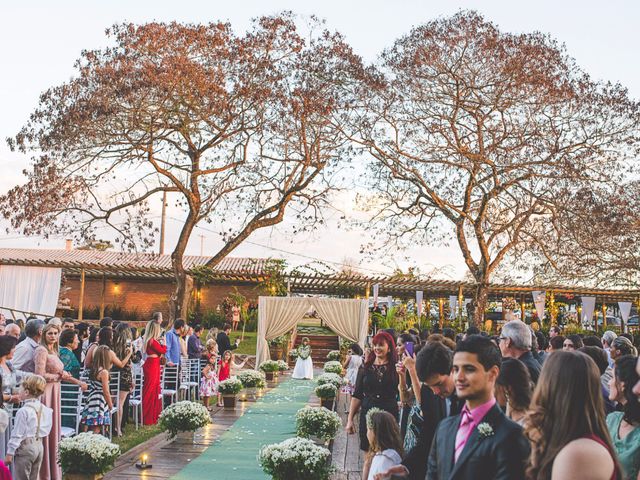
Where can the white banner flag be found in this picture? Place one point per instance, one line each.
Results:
(376, 289)
(419, 295)
(453, 306)
(625, 311)
(539, 299)
(588, 306)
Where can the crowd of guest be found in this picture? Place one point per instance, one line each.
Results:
(512, 406)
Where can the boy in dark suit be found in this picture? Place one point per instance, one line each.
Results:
(480, 442)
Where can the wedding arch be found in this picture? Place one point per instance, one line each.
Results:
(277, 315)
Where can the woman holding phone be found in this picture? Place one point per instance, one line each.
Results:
(408, 395)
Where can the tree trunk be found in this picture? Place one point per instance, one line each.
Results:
(179, 300)
(480, 302)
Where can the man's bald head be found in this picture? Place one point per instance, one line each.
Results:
(12, 330)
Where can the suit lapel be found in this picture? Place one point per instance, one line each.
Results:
(474, 440)
(450, 447)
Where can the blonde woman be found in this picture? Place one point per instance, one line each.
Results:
(154, 348)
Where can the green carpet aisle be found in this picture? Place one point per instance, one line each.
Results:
(270, 420)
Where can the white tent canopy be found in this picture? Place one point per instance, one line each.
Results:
(277, 315)
(29, 289)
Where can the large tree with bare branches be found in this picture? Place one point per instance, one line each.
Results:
(238, 129)
(481, 136)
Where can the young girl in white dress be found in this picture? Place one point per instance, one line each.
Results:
(304, 363)
(385, 444)
(351, 364)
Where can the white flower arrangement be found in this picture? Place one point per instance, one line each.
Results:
(327, 390)
(87, 453)
(304, 352)
(282, 365)
(293, 353)
(183, 417)
(252, 379)
(372, 411)
(295, 458)
(230, 386)
(485, 430)
(333, 355)
(269, 366)
(318, 422)
(333, 367)
(332, 378)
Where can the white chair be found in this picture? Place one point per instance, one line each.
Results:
(71, 408)
(187, 382)
(114, 389)
(135, 398)
(169, 385)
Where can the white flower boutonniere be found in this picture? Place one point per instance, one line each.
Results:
(485, 430)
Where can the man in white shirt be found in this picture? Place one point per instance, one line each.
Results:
(33, 422)
(23, 356)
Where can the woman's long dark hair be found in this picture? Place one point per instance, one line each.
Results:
(626, 373)
(383, 337)
(386, 433)
(567, 405)
(515, 377)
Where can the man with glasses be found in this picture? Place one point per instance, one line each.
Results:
(515, 342)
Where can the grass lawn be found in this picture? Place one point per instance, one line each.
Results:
(248, 345)
(133, 437)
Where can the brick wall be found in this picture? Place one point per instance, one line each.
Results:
(145, 296)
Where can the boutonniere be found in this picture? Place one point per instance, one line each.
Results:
(485, 430)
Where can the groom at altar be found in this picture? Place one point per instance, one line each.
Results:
(481, 442)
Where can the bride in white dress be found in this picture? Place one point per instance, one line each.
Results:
(304, 363)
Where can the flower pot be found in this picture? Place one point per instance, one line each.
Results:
(185, 438)
(252, 393)
(327, 403)
(276, 352)
(82, 476)
(271, 376)
(229, 401)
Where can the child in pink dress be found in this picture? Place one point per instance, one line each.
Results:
(209, 382)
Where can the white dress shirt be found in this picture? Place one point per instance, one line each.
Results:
(24, 354)
(26, 424)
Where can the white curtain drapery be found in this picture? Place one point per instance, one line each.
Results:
(29, 289)
(625, 311)
(277, 315)
(588, 306)
(539, 299)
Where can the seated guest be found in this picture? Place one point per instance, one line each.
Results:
(566, 424)
(624, 426)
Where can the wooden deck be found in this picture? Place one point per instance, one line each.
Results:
(346, 456)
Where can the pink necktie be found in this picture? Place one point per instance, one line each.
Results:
(463, 432)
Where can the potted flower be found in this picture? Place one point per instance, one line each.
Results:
(282, 365)
(229, 390)
(317, 423)
(294, 459)
(180, 420)
(252, 381)
(277, 347)
(333, 367)
(270, 369)
(334, 355)
(86, 456)
(332, 378)
(326, 393)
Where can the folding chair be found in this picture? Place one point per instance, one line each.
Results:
(169, 385)
(187, 384)
(71, 408)
(135, 398)
(114, 389)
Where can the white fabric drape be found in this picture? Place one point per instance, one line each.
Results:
(588, 306)
(376, 289)
(453, 306)
(625, 311)
(539, 299)
(30, 289)
(347, 317)
(419, 296)
(276, 316)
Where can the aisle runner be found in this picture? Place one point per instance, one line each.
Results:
(270, 420)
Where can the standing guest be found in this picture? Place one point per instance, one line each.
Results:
(106, 322)
(49, 366)
(376, 385)
(554, 331)
(385, 444)
(622, 346)
(68, 324)
(122, 349)
(68, 343)
(105, 337)
(592, 341)
(212, 334)
(409, 397)
(481, 438)
(97, 409)
(556, 344)
(472, 330)
(209, 382)
(600, 359)
(34, 422)
(566, 424)
(514, 389)
(157, 317)
(543, 344)
(12, 330)
(211, 350)
(449, 333)
(83, 334)
(515, 342)
(607, 340)
(624, 426)
(352, 364)
(154, 347)
(194, 345)
(223, 341)
(23, 358)
(137, 343)
(90, 341)
(186, 331)
(173, 342)
(636, 387)
(304, 363)
(572, 343)
(55, 321)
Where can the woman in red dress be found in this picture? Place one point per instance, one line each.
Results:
(151, 399)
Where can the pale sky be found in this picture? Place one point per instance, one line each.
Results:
(40, 41)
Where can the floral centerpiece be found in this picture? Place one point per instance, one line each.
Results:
(334, 355)
(295, 458)
(332, 378)
(252, 379)
(317, 422)
(183, 417)
(326, 393)
(270, 368)
(282, 365)
(87, 453)
(333, 367)
(229, 390)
